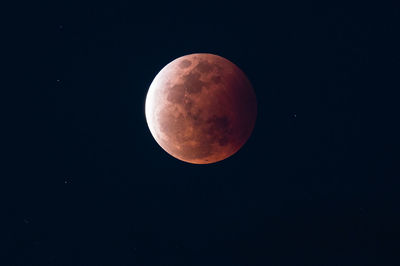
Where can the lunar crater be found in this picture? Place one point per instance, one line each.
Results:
(216, 79)
(192, 82)
(204, 67)
(185, 63)
(176, 94)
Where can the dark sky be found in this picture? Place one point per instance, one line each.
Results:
(316, 184)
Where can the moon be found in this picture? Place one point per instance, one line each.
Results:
(201, 108)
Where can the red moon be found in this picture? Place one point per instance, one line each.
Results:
(201, 108)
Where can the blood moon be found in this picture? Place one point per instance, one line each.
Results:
(201, 108)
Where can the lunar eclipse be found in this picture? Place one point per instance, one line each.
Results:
(201, 108)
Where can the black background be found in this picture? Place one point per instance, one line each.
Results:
(316, 184)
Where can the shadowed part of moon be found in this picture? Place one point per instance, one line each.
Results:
(201, 108)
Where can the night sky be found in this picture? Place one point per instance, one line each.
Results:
(317, 183)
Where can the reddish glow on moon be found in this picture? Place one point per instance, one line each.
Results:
(201, 108)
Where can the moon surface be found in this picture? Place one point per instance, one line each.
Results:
(201, 108)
